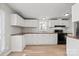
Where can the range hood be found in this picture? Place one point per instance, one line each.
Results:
(59, 26)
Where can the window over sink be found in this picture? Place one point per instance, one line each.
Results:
(43, 24)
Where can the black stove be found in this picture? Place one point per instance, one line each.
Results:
(61, 36)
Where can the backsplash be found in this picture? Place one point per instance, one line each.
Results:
(36, 30)
(24, 30)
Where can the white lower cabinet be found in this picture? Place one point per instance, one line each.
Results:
(72, 47)
(17, 43)
(40, 39)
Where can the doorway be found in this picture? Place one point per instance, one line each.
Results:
(2, 40)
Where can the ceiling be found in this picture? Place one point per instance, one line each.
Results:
(38, 10)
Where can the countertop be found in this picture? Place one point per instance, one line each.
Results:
(72, 36)
(35, 33)
(32, 33)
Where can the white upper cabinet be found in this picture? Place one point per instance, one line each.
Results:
(64, 22)
(56, 22)
(31, 23)
(52, 23)
(75, 12)
(16, 20)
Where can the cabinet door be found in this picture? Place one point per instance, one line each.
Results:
(75, 12)
(37, 39)
(65, 22)
(52, 23)
(16, 20)
(24, 42)
(17, 43)
(13, 19)
(20, 21)
(56, 22)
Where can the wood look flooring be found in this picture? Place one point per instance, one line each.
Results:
(42, 50)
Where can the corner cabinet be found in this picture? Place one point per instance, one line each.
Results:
(16, 20)
(75, 12)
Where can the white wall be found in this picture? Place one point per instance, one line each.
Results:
(7, 26)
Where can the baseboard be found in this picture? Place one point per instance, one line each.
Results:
(40, 44)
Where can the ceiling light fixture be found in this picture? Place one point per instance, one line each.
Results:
(43, 17)
(67, 14)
